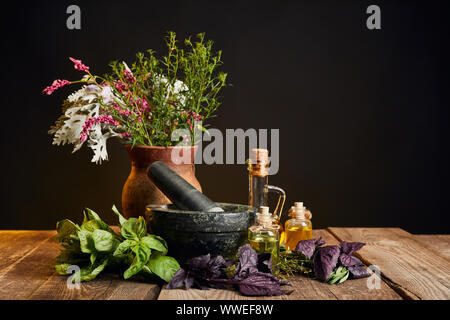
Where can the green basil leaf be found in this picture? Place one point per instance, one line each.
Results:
(62, 268)
(160, 239)
(86, 242)
(124, 247)
(65, 229)
(142, 247)
(139, 261)
(146, 270)
(154, 243)
(90, 215)
(104, 241)
(345, 277)
(122, 220)
(93, 257)
(141, 227)
(339, 275)
(90, 225)
(92, 271)
(163, 266)
(128, 229)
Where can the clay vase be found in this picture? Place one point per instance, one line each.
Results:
(139, 191)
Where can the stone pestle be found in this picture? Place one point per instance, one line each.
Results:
(179, 191)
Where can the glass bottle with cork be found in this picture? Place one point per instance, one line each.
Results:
(258, 168)
(299, 227)
(264, 235)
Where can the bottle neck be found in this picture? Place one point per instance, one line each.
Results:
(258, 168)
(299, 215)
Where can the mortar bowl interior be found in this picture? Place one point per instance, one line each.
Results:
(194, 233)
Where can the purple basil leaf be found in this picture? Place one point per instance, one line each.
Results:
(349, 260)
(229, 263)
(201, 284)
(319, 242)
(306, 247)
(350, 247)
(360, 263)
(325, 260)
(261, 284)
(265, 262)
(215, 266)
(248, 261)
(358, 272)
(198, 263)
(179, 280)
(188, 281)
(196, 271)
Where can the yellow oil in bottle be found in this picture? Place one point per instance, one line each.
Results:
(266, 244)
(264, 236)
(296, 234)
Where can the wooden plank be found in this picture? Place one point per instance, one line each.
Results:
(15, 245)
(26, 274)
(436, 242)
(356, 289)
(31, 276)
(409, 266)
(211, 294)
(304, 288)
(104, 287)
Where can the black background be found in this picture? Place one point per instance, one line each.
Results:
(363, 114)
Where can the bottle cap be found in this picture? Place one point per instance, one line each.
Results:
(259, 155)
(264, 217)
(298, 205)
(298, 210)
(263, 210)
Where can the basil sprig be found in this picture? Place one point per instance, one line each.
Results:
(94, 246)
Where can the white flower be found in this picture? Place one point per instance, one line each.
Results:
(179, 89)
(107, 95)
(85, 104)
(126, 67)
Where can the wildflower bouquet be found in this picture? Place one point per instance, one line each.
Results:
(149, 103)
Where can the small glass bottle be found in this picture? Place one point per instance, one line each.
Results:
(264, 235)
(299, 227)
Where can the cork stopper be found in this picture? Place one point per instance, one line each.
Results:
(299, 211)
(259, 155)
(258, 164)
(264, 217)
(298, 205)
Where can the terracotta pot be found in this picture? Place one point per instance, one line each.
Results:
(139, 191)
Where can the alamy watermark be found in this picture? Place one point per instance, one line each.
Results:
(73, 282)
(373, 22)
(228, 149)
(73, 21)
(374, 281)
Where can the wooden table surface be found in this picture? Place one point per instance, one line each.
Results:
(411, 266)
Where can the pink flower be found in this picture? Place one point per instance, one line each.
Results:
(96, 120)
(55, 85)
(144, 104)
(194, 115)
(126, 113)
(78, 65)
(120, 86)
(129, 76)
(126, 135)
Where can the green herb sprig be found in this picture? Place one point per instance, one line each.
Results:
(95, 246)
(292, 263)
